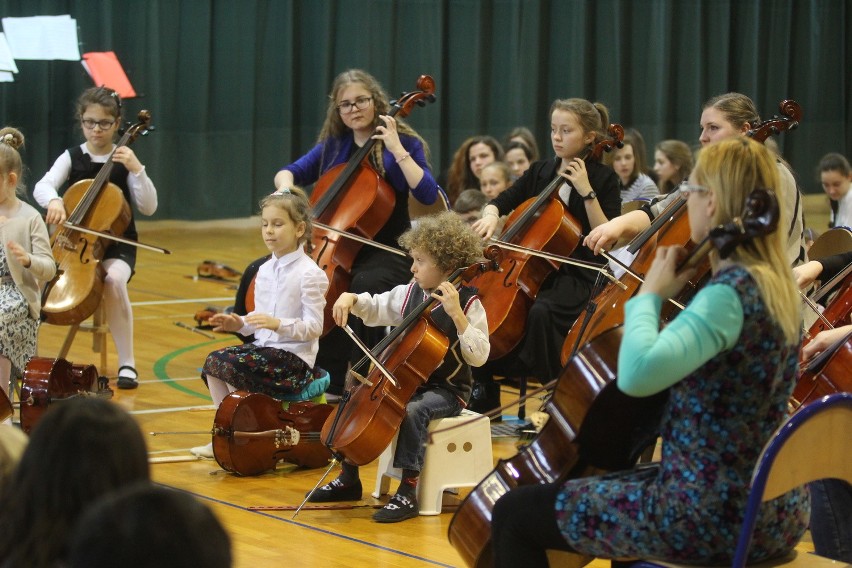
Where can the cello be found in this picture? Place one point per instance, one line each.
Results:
(593, 426)
(354, 198)
(371, 412)
(825, 374)
(47, 380)
(671, 227)
(97, 206)
(543, 224)
(252, 432)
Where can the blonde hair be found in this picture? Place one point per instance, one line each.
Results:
(11, 141)
(295, 202)
(732, 169)
(503, 167)
(446, 238)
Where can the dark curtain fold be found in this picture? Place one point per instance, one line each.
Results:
(237, 88)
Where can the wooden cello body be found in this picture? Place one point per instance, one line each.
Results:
(829, 372)
(252, 433)
(354, 198)
(75, 293)
(47, 380)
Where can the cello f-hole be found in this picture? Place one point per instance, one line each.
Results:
(508, 277)
(325, 244)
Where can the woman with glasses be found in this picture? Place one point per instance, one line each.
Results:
(99, 113)
(724, 116)
(358, 111)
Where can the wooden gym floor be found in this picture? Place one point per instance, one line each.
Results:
(172, 398)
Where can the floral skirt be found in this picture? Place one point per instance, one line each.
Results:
(268, 370)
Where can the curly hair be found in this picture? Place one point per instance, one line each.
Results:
(446, 238)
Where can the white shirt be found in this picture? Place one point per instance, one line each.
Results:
(142, 189)
(844, 211)
(386, 309)
(291, 288)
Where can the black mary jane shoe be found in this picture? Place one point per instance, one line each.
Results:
(127, 383)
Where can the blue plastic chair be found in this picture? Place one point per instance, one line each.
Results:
(810, 445)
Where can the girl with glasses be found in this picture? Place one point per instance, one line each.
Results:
(358, 111)
(99, 113)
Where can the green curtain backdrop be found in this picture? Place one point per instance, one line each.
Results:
(237, 87)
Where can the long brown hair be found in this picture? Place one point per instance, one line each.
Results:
(333, 127)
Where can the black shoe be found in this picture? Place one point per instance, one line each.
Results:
(399, 508)
(127, 382)
(336, 491)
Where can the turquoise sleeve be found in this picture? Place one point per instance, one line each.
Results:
(651, 360)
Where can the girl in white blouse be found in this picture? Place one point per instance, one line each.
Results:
(289, 297)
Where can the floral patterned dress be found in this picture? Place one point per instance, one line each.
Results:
(689, 508)
(18, 331)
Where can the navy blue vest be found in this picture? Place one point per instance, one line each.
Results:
(454, 372)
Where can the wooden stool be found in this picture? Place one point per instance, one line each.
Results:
(99, 330)
(459, 458)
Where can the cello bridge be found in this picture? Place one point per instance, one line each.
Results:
(286, 438)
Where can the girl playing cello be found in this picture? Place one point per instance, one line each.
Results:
(438, 245)
(358, 111)
(729, 361)
(99, 112)
(591, 191)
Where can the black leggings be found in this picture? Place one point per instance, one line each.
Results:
(523, 527)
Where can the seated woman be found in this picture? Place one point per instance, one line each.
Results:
(729, 362)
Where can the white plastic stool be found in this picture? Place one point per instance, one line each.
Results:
(459, 458)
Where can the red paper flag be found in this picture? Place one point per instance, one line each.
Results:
(106, 71)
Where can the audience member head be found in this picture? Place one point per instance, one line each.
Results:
(626, 161)
(525, 136)
(474, 154)
(518, 156)
(672, 163)
(81, 449)
(149, 526)
(469, 205)
(835, 175)
(495, 178)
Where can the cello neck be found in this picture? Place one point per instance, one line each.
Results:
(529, 215)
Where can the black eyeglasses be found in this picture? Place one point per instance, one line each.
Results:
(360, 103)
(90, 124)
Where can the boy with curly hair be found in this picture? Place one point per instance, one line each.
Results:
(438, 245)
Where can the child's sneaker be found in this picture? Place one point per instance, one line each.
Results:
(399, 508)
(203, 451)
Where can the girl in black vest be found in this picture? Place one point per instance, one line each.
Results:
(438, 245)
(99, 112)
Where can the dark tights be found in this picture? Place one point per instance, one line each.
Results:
(523, 527)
